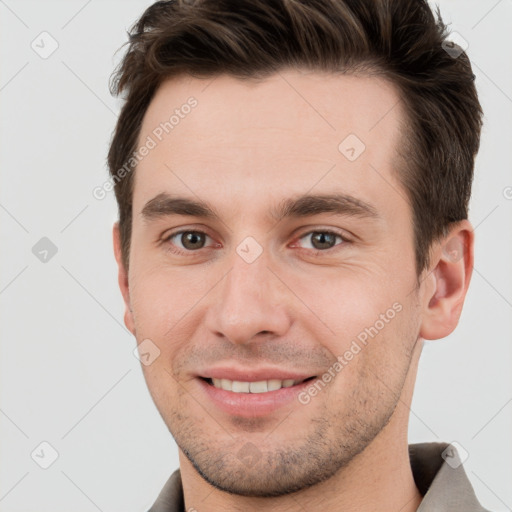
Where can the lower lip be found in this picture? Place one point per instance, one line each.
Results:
(249, 405)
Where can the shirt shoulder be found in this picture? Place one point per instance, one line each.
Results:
(170, 498)
(441, 479)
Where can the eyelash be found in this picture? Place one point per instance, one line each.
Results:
(316, 252)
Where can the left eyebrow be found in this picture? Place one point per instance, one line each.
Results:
(307, 205)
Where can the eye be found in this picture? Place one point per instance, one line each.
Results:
(321, 240)
(188, 240)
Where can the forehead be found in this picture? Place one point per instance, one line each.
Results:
(287, 133)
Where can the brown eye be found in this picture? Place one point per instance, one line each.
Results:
(187, 241)
(192, 240)
(321, 240)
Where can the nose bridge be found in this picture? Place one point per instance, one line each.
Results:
(248, 302)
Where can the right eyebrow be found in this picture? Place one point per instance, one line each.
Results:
(164, 204)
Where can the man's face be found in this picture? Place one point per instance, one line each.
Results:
(279, 292)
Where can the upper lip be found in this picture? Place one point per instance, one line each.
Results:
(252, 374)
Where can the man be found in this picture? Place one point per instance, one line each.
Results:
(293, 180)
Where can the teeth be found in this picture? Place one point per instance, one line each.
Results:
(240, 387)
(261, 386)
(274, 384)
(258, 387)
(225, 384)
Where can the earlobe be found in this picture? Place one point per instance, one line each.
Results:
(452, 260)
(122, 278)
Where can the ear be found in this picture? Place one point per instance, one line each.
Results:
(122, 278)
(448, 281)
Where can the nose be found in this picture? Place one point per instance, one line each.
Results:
(249, 304)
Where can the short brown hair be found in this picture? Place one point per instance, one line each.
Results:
(400, 40)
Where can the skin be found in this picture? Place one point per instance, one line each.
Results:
(243, 149)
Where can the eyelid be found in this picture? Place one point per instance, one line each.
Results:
(343, 234)
(168, 233)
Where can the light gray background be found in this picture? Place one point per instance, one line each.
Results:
(68, 374)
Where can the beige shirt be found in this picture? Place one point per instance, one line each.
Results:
(437, 471)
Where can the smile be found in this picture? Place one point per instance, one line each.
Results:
(261, 386)
(251, 399)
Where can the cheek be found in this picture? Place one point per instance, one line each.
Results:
(161, 298)
(373, 363)
(367, 323)
(347, 301)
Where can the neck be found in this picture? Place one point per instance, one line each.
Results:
(379, 478)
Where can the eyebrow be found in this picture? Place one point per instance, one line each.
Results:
(340, 204)
(164, 205)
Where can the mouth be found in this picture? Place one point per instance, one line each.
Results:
(253, 392)
(250, 387)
